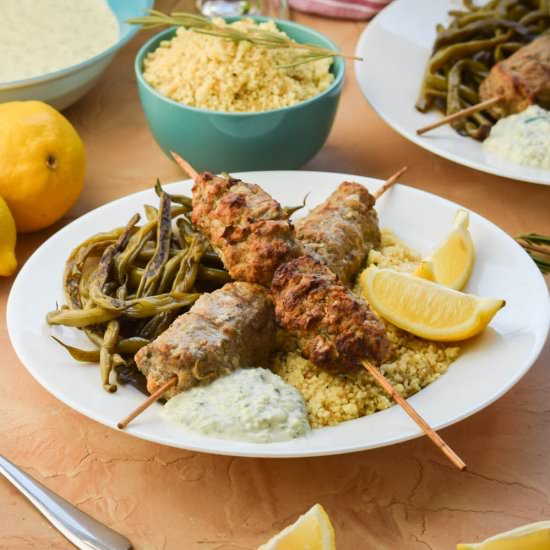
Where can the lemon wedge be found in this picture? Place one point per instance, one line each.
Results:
(535, 536)
(425, 308)
(311, 531)
(452, 261)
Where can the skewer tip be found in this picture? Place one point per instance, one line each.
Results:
(390, 182)
(436, 439)
(184, 165)
(461, 114)
(148, 402)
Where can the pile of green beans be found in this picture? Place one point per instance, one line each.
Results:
(477, 38)
(126, 286)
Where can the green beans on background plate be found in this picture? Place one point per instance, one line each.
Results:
(125, 286)
(478, 37)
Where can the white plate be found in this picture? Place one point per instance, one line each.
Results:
(489, 366)
(396, 46)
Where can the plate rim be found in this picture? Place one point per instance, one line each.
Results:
(250, 451)
(420, 141)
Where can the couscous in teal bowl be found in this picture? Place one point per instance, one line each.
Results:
(283, 138)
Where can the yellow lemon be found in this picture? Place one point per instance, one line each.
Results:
(311, 531)
(452, 261)
(535, 536)
(8, 236)
(42, 163)
(425, 308)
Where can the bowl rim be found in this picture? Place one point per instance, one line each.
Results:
(122, 40)
(144, 50)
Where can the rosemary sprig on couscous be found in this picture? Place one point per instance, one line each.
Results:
(303, 53)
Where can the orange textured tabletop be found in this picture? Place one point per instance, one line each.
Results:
(407, 496)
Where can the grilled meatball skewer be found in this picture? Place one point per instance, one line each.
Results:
(342, 230)
(249, 229)
(337, 330)
(229, 328)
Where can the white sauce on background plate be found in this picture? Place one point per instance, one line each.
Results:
(523, 138)
(247, 405)
(41, 36)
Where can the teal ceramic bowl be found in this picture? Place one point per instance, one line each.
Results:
(62, 88)
(284, 138)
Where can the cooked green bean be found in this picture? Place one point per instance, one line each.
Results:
(178, 199)
(81, 317)
(189, 267)
(151, 213)
(146, 253)
(128, 346)
(105, 354)
(292, 209)
(476, 29)
(153, 269)
(212, 274)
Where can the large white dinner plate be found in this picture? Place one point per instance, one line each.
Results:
(489, 365)
(396, 46)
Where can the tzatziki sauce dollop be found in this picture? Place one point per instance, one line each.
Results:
(251, 404)
(523, 138)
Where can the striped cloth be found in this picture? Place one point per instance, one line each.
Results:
(343, 9)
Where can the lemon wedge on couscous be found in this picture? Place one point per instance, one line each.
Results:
(452, 261)
(311, 531)
(425, 308)
(535, 536)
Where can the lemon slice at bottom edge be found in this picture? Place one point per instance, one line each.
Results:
(311, 531)
(424, 308)
(535, 536)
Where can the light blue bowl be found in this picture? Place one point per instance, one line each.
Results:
(268, 140)
(63, 87)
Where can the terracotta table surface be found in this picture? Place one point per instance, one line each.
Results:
(405, 496)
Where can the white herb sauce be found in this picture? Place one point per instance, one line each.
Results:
(247, 405)
(41, 36)
(523, 138)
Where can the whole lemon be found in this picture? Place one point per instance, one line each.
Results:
(42, 163)
(8, 236)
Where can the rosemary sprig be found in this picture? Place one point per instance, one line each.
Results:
(538, 247)
(304, 53)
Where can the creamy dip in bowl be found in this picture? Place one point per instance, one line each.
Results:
(40, 37)
(251, 404)
(523, 138)
(57, 49)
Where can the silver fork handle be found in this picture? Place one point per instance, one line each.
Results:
(81, 529)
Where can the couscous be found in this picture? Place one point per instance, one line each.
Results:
(215, 73)
(333, 398)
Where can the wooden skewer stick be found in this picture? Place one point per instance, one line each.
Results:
(389, 182)
(185, 166)
(404, 404)
(460, 114)
(192, 173)
(148, 402)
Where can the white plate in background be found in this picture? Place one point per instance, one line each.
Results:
(395, 48)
